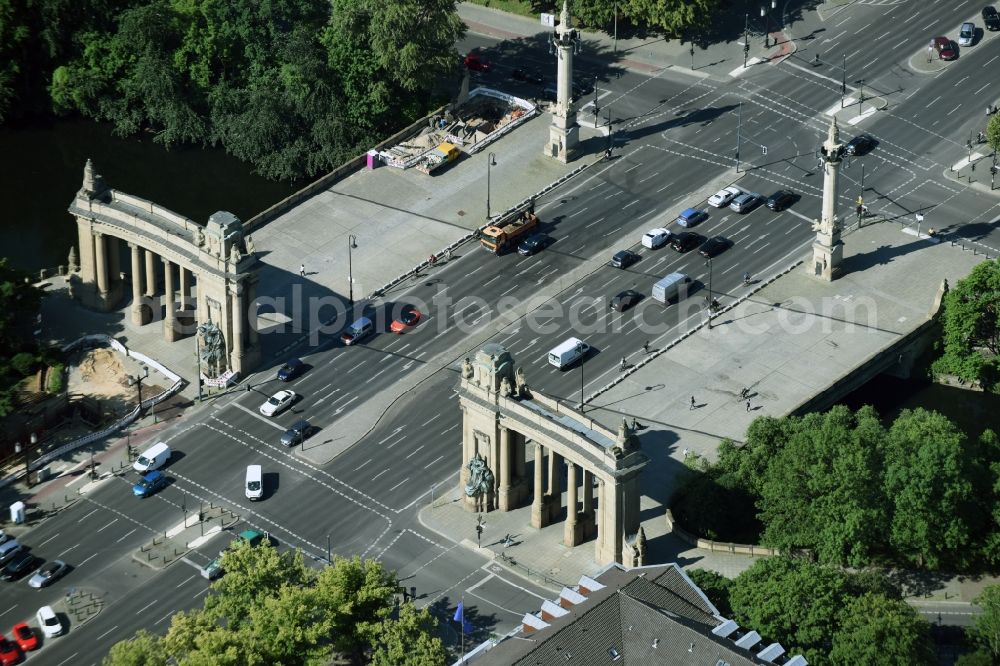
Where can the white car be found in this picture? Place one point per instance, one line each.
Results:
(277, 403)
(655, 238)
(722, 198)
(49, 622)
(966, 34)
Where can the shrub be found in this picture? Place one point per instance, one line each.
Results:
(24, 363)
(55, 378)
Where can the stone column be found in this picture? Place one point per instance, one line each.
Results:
(237, 314)
(554, 495)
(589, 524)
(170, 317)
(140, 315)
(115, 287)
(251, 300)
(150, 277)
(608, 546)
(101, 268)
(537, 515)
(520, 451)
(182, 280)
(86, 237)
(505, 437)
(571, 531)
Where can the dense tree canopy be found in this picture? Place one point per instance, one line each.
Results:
(673, 17)
(269, 608)
(852, 492)
(971, 322)
(20, 302)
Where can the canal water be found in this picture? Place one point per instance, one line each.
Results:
(41, 168)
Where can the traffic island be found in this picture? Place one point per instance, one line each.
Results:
(163, 550)
(79, 606)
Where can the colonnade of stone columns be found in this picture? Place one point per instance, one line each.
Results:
(145, 291)
(101, 266)
(546, 506)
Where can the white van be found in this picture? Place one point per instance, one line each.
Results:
(672, 287)
(255, 484)
(154, 457)
(567, 352)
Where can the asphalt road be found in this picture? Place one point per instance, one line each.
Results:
(673, 137)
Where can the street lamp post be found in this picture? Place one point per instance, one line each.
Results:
(739, 126)
(861, 94)
(843, 82)
(352, 242)
(491, 161)
(197, 363)
(597, 111)
(708, 262)
(136, 380)
(746, 38)
(692, 55)
(763, 15)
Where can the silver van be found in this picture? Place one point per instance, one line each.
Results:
(357, 331)
(671, 288)
(254, 482)
(568, 352)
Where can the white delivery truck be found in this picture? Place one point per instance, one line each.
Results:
(568, 352)
(671, 288)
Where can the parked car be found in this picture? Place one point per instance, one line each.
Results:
(477, 63)
(18, 565)
(48, 574)
(780, 200)
(24, 636)
(945, 49)
(9, 654)
(533, 244)
(860, 145)
(687, 240)
(292, 368)
(691, 216)
(745, 202)
(49, 622)
(991, 19)
(655, 238)
(713, 246)
(407, 319)
(297, 433)
(722, 198)
(625, 300)
(9, 549)
(278, 403)
(528, 76)
(149, 484)
(967, 34)
(624, 259)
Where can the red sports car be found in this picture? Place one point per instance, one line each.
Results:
(407, 319)
(477, 63)
(9, 654)
(25, 636)
(945, 49)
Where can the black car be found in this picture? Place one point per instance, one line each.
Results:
(686, 240)
(860, 145)
(780, 200)
(991, 18)
(528, 76)
(625, 300)
(624, 258)
(713, 246)
(290, 370)
(19, 565)
(532, 244)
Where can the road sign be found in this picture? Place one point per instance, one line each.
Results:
(920, 217)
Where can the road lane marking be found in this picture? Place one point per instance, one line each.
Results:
(47, 540)
(431, 420)
(88, 515)
(127, 535)
(85, 561)
(107, 632)
(981, 89)
(68, 659)
(8, 610)
(363, 464)
(180, 584)
(170, 614)
(600, 219)
(414, 452)
(108, 525)
(433, 462)
(68, 549)
(151, 603)
(399, 484)
(379, 474)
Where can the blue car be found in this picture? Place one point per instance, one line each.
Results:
(290, 370)
(691, 216)
(149, 484)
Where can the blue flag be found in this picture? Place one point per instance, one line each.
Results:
(467, 627)
(460, 613)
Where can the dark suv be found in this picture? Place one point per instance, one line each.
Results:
(991, 18)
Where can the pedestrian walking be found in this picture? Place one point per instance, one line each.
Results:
(623, 363)
(635, 424)
(748, 405)
(744, 392)
(645, 346)
(302, 270)
(692, 402)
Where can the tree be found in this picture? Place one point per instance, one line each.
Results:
(928, 471)
(143, 649)
(986, 627)
(971, 326)
(993, 133)
(876, 631)
(792, 601)
(674, 17)
(823, 488)
(358, 595)
(716, 588)
(408, 640)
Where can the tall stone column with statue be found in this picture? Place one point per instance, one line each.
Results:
(564, 134)
(828, 249)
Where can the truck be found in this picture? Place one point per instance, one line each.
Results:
(510, 229)
(444, 153)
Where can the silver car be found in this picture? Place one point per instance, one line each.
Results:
(745, 202)
(48, 574)
(966, 34)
